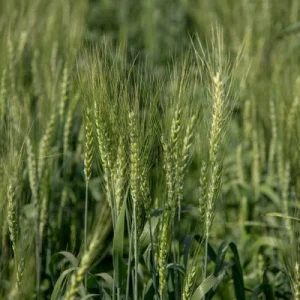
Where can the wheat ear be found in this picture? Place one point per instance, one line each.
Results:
(135, 191)
(88, 160)
(12, 217)
(297, 282)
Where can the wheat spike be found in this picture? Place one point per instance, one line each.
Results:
(12, 216)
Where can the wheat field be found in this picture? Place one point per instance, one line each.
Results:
(149, 149)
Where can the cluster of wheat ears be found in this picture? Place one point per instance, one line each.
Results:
(121, 178)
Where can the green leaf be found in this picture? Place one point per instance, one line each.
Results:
(265, 241)
(279, 215)
(148, 258)
(69, 256)
(266, 290)
(145, 238)
(148, 291)
(176, 267)
(291, 29)
(107, 278)
(187, 245)
(57, 257)
(157, 212)
(29, 211)
(90, 296)
(237, 273)
(210, 282)
(269, 192)
(221, 257)
(60, 283)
